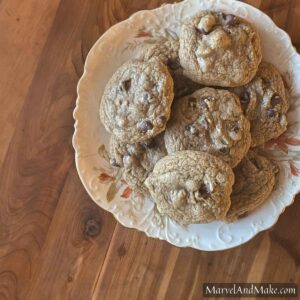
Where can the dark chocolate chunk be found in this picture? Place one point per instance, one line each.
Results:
(191, 129)
(271, 113)
(245, 97)
(125, 86)
(114, 163)
(275, 100)
(145, 125)
(230, 19)
(204, 190)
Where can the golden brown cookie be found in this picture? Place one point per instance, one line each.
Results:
(191, 187)
(167, 51)
(254, 181)
(137, 101)
(137, 160)
(265, 104)
(219, 49)
(210, 120)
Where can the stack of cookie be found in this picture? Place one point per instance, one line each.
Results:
(186, 117)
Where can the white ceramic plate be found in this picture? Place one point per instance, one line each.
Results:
(121, 43)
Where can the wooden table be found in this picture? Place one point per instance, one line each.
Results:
(55, 243)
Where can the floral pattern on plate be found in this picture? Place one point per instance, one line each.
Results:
(103, 182)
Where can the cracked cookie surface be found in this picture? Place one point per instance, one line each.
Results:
(265, 103)
(137, 160)
(210, 120)
(167, 51)
(191, 187)
(254, 182)
(137, 101)
(219, 49)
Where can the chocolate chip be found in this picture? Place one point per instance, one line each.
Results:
(203, 102)
(232, 126)
(128, 153)
(245, 97)
(275, 100)
(265, 81)
(224, 150)
(162, 120)
(201, 30)
(174, 64)
(125, 85)
(145, 125)
(114, 163)
(204, 191)
(204, 123)
(235, 129)
(191, 129)
(271, 113)
(230, 19)
(209, 98)
(148, 144)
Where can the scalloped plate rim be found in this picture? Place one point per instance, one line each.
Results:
(75, 144)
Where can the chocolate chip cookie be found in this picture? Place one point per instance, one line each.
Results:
(137, 160)
(137, 100)
(210, 120)
(191, 187)
(254, 182)
(265, 104)
(167, 51)
(219, 49)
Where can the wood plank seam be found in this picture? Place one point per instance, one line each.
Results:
(98, 276)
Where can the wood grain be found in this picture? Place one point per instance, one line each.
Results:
(24, 27)
(55, 243)
(76, 246)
